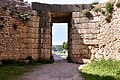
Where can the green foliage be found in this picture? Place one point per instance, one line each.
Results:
(102, 70)
(87, 13)
(109, 7)
(65, 45)
(118, 4)
(95, 2)
(97, 9)
(108, 17)
(1, 26)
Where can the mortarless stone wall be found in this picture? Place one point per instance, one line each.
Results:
(88, 38)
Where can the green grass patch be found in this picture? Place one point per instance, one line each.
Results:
(13, 71)
(102, 70)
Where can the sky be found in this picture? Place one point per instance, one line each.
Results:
(60, 31)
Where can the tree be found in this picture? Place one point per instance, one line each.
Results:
(65, 45)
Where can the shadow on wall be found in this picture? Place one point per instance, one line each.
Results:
(83, 47)
(96, 77)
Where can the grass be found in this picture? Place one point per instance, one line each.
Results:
(102, 70)
(13, 71)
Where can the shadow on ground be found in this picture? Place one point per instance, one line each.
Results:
(97, 77)
(59, 58)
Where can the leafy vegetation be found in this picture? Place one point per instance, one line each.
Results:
(102, 70)
(95, 2)
(97, 9)
(65, 45)
(87, 13)
(108, 17)
(109, 7)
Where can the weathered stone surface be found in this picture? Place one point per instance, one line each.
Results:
(88, 37)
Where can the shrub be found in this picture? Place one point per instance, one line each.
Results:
(87, 13)
(97, 9)
(108, 17)
(95, 2)
(109, 7)
(118, 4)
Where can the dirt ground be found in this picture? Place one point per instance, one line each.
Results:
(59, 70)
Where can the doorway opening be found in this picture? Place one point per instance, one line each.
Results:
(60, 41)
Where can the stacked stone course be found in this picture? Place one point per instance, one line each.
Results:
(88, 38)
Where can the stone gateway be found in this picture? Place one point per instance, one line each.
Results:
(27, 31)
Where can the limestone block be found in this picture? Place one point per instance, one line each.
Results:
(23, 56)
(77, 14)
(35, 31)
(35, 18)
(36, 41)
(36, 36)
(84, 20)
(4, 56)
(76, 46)
(35, 56)
(35, 46)
(88, 31)
(90, 36)
(36, 51)
(11, 57)
(47, 56)
(96, 19)
(34, 12)
(35, 25)
(87, 41)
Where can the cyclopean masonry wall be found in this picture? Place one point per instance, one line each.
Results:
(88, 38)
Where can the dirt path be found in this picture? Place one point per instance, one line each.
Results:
(60, 70)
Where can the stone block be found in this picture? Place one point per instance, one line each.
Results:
(35, 56)
(36, 36)
(36, 46)
(87, 41)
(34, 12)
(36, 51)
(4, 56)
(23, 56)
(35, 30)
(11, 57)
(77, 14)
(35, 18)
(47, 56)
